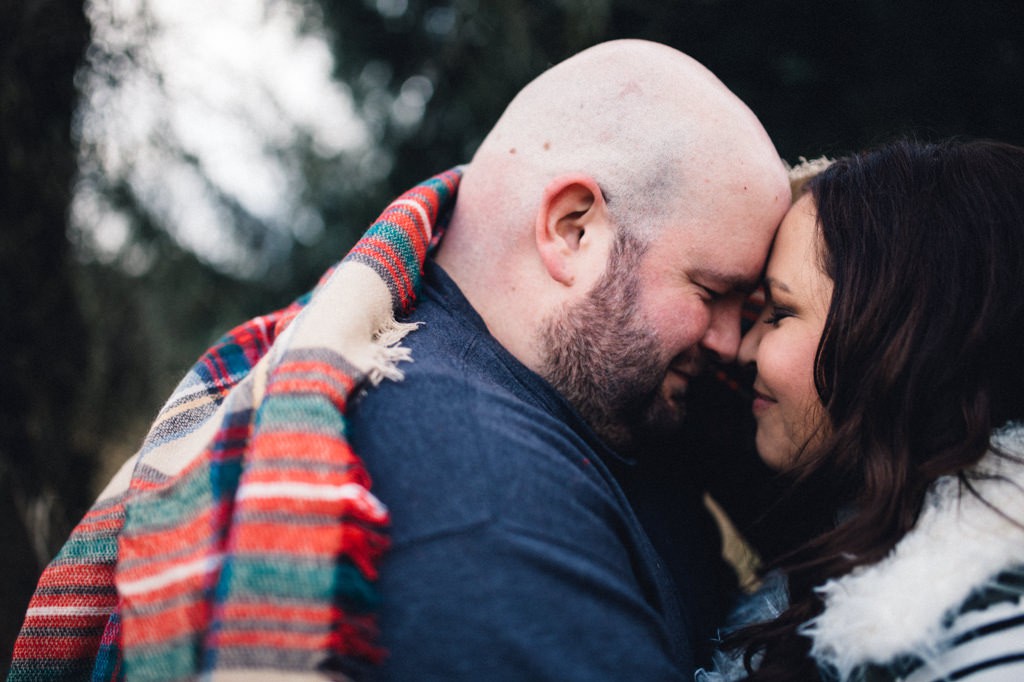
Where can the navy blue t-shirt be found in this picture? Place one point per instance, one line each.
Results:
(515, 552)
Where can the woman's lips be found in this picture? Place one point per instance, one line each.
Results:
(761, 402)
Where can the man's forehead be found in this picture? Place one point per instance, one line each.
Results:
(729, 256)
(723, 237)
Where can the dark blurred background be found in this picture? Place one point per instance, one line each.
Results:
(154, 194)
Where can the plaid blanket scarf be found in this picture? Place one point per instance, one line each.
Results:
(241, 542)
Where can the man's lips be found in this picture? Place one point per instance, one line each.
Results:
(688, 365)
(680, 374)
(677, 382)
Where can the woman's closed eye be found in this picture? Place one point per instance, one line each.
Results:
(775, 314)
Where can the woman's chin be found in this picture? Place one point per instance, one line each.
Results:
(777, 455)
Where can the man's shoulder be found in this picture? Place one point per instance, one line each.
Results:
(458, 440)
(445, 378)
(445, 411)
(460, 390)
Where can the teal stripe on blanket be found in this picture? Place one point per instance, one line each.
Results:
(169, 506)
(154, 662)
(310, 411)
(298, 579)
(92, 548)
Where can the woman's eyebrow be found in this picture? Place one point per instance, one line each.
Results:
(776, 284)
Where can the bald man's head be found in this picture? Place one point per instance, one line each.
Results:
(643, 119)
(607, 224)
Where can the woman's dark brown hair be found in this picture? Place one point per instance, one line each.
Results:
(922, 355)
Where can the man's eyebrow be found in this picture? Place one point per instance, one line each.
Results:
(733, 282)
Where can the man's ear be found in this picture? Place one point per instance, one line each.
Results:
(572, 214)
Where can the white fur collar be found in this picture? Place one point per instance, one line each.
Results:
(897, 606)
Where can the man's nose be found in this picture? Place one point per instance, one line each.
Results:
(723, 335)
(751, 340)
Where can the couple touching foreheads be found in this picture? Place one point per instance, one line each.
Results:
(603, 243)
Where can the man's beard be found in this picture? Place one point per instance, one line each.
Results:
(604, 359)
